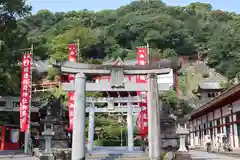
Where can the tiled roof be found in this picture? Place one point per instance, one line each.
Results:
(41, 66)
(210, 85)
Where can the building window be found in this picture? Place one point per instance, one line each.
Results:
(16, 104)
(218, 130)
(2, 103)
(204, 126)
(196, 133)
(210, 124)
(209, 95)
(205, 132)
(211, 133)
(213, 123)
(35, 104)
(227, 119)
(238, 115)
(218, 122)
(228, 131)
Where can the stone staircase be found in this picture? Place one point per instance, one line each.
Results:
(129, 156)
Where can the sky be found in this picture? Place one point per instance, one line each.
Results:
(97, 5)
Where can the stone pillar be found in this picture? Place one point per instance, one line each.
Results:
(130, 127)
(91, 128)
(182, 145)
(78, 137)
(149, 110)
(154, 117)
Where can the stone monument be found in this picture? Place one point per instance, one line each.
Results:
(168, 130)
(60, 138)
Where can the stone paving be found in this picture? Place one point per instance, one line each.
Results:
(196, 155)
(201, 155)
(15, 155)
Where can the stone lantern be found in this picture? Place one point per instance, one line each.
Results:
(182, 154)
(48, 134)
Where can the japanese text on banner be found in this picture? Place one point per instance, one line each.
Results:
(25, 91)
(72, 56)
(142, 116)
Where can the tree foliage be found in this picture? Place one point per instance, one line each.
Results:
(177, 105)
(170, 31)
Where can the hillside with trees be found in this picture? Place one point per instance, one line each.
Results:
(169, 30)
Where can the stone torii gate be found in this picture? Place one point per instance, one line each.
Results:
(111, 108)
(117, 83)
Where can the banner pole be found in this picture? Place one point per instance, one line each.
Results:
(78, 52)
(28, 132)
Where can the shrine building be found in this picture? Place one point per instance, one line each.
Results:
(219, 114)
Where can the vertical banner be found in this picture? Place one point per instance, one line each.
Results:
(25, 92)
(143, 115)
(72, 56)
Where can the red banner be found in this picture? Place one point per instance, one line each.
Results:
(72, 56)
(143, 116)
(141, 60)
(25, 91)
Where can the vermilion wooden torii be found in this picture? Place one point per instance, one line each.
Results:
(117, 83)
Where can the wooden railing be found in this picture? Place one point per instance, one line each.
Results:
(44, 86)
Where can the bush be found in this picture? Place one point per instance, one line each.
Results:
(163, 155)
(112, 142)
(109, 142)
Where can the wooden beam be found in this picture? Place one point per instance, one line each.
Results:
(106, 87)
(104, 72)
(134, 99)
(97, 110)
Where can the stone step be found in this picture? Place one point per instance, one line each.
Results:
(113, 158)
(140, 156)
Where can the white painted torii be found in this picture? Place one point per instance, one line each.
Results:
(79, 86)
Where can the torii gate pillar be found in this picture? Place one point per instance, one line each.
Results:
(78, 137)
(130, 127)
(91, 127)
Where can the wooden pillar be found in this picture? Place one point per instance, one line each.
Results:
(221, 120)
(232, 124)
(201, 131)
(213, 127)
(207, 126)
(193, 134)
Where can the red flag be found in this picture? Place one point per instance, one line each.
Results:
(72, 56)
(142, 117)
(25, 91)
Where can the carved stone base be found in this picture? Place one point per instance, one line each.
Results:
(183, 156)
(60, 139)
(47, 157)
